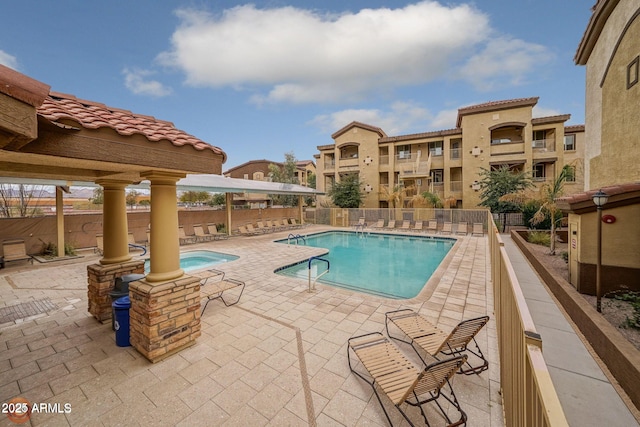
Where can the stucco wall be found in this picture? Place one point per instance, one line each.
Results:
(611, 111)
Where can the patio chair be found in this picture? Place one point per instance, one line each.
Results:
(274, 227)
(406, 225)
(263, 228)
(417, 227)
(213, 232)
(378, 225)
(131, 241)
(462, 228)
(244, 231)
(391, 225)
(478, 229)
(184, 238)
(253, 230)
(213, 285)
(99, 244)
(402, 382)
(15, 250)
(432, 226)
(201, 236)
(446, 228)
(294, 223)
(423, 335)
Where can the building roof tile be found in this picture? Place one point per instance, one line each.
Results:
(93, 115)
(495, 106)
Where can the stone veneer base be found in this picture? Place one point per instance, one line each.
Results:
(101, 280)
(164, 316)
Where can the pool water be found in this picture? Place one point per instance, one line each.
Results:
(196, 260)
(394, 266)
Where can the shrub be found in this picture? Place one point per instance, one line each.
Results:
(539, 238)
(565, 256)
(632, 298)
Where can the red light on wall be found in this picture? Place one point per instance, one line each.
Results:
(608, 219)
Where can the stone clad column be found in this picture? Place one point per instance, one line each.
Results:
(165, 245)
(116, 260)
(165, 306)
(114, 222)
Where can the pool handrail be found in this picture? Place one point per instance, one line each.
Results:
(313, 286)
(295, 236)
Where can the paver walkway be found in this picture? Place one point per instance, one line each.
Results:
(586, 395)
(276, 358)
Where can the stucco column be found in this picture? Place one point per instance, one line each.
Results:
(114, 222)
(300, 210)
(60, 220)
(228, 206)
(165, 245)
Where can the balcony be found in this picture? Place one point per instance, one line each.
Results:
(544, 145)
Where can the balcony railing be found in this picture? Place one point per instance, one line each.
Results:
(455, 153)
(544, 145)
(455, 186)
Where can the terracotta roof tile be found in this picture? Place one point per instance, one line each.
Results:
(21, 87)
(94, 115)
(574, 128)
(618, 194)
(494, 106)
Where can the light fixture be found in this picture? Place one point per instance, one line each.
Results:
(599, 199)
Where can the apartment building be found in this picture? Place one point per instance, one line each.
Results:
(449, 162)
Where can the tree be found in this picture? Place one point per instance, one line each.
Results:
(286, 173)
(98, 196)
(347, 193)
(195, 197)
(311, 183)
(496, 183)
(218, 199)
(546, 200)
(18, 198)
(395, 196)
(131, 198)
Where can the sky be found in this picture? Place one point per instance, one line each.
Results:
(266, 78)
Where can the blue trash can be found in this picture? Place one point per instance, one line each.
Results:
(121, 308)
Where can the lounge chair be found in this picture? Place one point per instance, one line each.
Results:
(402, 382)
(446, 228)
(378, 225)
(213, 232)
(274, 227)
(294, 223)
(201, 236)
(391, 225)
(135, 245)
(478, 229)
(244, 231)
(417, 227)
(184, 238)
(422, 335)
(213, 285)
(462, 228)
(14, 250)
(406, 225)
(263, 228)
(432, 226)
(99, 244)
(253, 230)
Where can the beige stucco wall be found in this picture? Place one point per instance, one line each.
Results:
(611, 111)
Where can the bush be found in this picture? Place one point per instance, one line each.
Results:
(539, 238)
(565, 256)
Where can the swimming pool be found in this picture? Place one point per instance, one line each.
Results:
(195, 260)
(394, 266)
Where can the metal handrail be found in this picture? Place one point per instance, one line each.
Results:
(313, 286)
(296, 236)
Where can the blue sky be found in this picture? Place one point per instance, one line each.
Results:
(265, 78)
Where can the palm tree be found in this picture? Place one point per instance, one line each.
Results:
(395, 197)
(547, 196)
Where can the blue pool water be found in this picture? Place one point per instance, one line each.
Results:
(394, 266)
(195, 260)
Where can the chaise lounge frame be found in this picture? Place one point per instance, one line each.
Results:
(423, 335)
(401, 381)
(213, 285)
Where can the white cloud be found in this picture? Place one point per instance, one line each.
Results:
(8, 60)
(295, 55)
(401, 118)
(545, 112)
(136, 80)
(504, 62)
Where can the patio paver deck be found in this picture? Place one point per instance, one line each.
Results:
(276, 358)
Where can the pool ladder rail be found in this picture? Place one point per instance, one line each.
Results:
(360, 229)
(297, 237)
(312, 287)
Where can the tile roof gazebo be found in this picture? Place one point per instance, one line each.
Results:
(52, 136)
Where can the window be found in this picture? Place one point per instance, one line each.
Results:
(572, 176)
(501, 141)
(258, 176)
(456, 146)
(435, 148)
(569, 142)
(404, 151)
(437, 176)
(539, 172)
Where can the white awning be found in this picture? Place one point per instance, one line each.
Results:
(194, 182)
